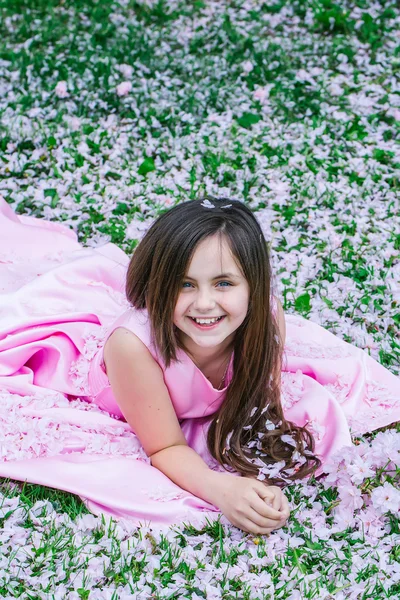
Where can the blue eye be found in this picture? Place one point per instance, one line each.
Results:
(188, 283)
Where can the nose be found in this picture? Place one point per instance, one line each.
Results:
(204, 301)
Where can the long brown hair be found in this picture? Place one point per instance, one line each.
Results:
(246, 432)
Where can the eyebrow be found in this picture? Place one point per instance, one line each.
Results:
(221, 276)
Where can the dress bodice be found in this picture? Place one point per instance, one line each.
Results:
(191, 393)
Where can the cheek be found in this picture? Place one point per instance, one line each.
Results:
(237, 308)
(241, 315)
(242, 303)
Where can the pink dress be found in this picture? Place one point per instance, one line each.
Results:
(60, 425)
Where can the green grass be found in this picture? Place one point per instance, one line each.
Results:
(317, 160)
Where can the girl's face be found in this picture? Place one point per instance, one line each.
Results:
(213, 287)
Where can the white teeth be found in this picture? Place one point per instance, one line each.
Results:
(206, 321)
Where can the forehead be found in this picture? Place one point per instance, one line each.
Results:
(213, 256)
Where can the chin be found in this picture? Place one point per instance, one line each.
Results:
(210, 344)
(211, 341)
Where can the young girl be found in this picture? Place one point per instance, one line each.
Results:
(189, 366)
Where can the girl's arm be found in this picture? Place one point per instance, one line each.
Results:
(138, 386)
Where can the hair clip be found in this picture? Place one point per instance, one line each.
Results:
(207, 204)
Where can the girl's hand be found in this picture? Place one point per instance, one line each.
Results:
(251, 505)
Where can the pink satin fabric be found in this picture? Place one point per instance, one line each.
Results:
(60, 425)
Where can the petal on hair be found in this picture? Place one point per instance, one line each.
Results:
(287, 439)
(207, 204)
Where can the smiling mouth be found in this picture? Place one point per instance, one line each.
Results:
(205, 325)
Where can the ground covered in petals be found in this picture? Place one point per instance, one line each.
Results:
(110, 113)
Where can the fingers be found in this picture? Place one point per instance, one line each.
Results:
(281, 503)
(272, 496)
(261, 510)
(280, 499)
(262, 522)
(266, 510)
(250, 527)
(285, 508)
(276, 502)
